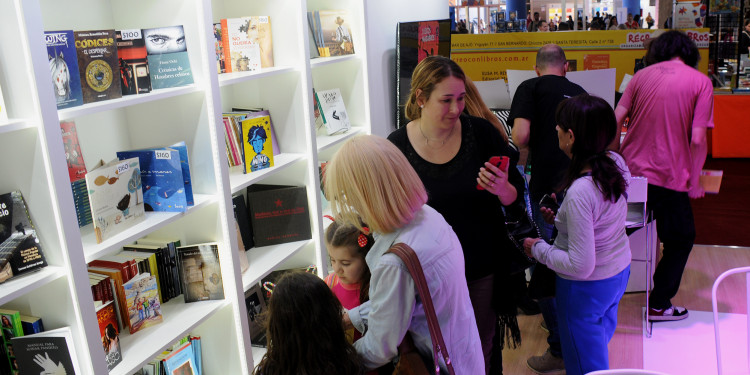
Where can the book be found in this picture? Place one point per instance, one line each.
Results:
(73, 155)
(710, 180)
(181, 361)
(334, 32)
(115, 197)
(97, 65)
(142, 298)
(332, 111)
(109, 333)
(169, 257)
(219, 48)
(118, 293)
(242, 216)
(20, 250)
(11, 327)
(196, 344)
(154, 257)
(244, 264)
(244, 114)
(181, 148)
(200, 272)
(247, 43)
(63, 66)
(31, 324)
(278, 214)
(168, 60)
(133, 58)
(49, 352)
(161, 178)
(414, 42)
(256, 306)
(81, 200)
(257, 144)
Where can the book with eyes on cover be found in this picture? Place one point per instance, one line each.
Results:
(168, 59)
(49, 352)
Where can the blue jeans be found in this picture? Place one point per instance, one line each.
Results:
(548, 305)
(588, 318)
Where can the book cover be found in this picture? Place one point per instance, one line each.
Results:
(242, 216)
(414, 42)
(115, 197)
(335, 27)
(181, 147)
(244, 114)
(219, 48)
(256, 305)
(97, 65)
(118, 293)
(11, 327)
(73, 155)
(50, 352)
(31, 324)
(154, 257)
(105, 315)
(142, 298)
(200, 272)
(168, 60)
(20, 250)
(278, 214)
(133, 58)
(196, 343)
(333, 111)
(257, 143)
(248, 45)
(81, 201)
(169, 254)
(181, 361)
(63, 67)
(161, 178)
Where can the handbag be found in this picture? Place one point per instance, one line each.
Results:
(410, 362)
(519, 226)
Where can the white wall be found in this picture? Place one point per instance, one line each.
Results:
(382, 18)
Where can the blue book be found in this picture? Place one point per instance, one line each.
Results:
(31, 324)
(185, 162)
(63, 66)
(196, 341)
(168, 60)
(181, 361)
(161, 178)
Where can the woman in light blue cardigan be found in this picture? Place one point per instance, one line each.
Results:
(591, 253)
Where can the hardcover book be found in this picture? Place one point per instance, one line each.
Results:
(332, 111)
(31, 324)
(161, 178)
(73, 155)
(247, 43)
(20, 250)
(257, 143)
(133, 58)
(115, 197)
(50, 352)
(142, 298)
(63, 66)
(200, 272)
(168, 60)
(278, 214)
(243, 221)
(414, 42)
(334, 31)
(107, 319)
(98, 65)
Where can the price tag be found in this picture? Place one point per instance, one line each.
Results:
(163, 155)
(123, 167)
(130, 34)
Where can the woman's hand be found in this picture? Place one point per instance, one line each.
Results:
(528, 243)
(494, 180)
(548, 215)
(347, 321)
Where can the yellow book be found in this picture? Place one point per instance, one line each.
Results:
(257, 144)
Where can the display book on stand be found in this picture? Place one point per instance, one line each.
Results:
(329, 33)
(98, 65)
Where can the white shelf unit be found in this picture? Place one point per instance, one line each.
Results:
(33, 156)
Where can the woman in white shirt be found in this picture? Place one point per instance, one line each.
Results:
(591, 254)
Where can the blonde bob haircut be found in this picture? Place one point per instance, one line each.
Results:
(428, 73)
(369, 178)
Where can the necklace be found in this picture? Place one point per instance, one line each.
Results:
(427, 140)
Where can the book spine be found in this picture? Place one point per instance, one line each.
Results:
(225, 46)
(231, 139)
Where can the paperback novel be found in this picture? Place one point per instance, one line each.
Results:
(98, 65)
(20, 250)
(63, 67)
(240, 38)
(49, 352)
(107, 319)
(334, 30)
(333, 111)
(168, 60)
(257, 143)
(73, 155)
(142, 298)
(200, 272)
(133, 58)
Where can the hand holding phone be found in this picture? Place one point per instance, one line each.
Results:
(501, 162)
(550, 203)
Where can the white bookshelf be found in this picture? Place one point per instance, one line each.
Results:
(33, 156)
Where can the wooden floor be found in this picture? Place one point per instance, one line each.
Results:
(706, 263)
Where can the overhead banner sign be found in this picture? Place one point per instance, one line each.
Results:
(486, 57)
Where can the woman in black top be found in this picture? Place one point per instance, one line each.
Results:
(449, 150)
(745, 38)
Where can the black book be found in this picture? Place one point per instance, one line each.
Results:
(35, 353)
(243, 220)
(20, 250)
(278, 214)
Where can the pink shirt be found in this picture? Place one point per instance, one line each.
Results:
(665, 102)
(348, 295)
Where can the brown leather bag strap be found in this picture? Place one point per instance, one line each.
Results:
(409, 257)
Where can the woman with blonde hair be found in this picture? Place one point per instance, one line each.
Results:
(369, 180)
(450, 152)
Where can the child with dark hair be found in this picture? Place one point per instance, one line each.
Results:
(305, 331)
(350, 280)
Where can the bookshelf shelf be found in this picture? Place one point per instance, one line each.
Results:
(125, 101)
(179, 319)
(239, 180)
(232, 78)
(320, 61)
(328, 141)
(27, 283)
(153, 221)
(16, 124)
(263, 260)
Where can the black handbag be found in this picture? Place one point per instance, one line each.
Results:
(519, 226)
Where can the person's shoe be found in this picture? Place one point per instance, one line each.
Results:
(669, 314)
(543, 324)
(546, 364)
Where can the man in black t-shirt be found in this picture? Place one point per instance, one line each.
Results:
(532, 114)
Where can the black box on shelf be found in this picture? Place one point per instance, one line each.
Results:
(278, 214)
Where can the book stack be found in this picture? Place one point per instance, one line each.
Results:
(250, 139)
(77, 172)
(244, 44)
(184, 357)
(331, 32)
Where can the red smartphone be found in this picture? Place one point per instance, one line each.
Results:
(501, 162)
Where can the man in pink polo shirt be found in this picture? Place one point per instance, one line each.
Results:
(670, 106)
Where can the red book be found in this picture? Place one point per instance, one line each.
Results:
(124, 267)
(76, 166)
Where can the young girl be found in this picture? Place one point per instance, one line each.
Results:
(350, 280)
(304, 330)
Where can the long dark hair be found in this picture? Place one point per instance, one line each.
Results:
(342, 235)
(594, 128)
(305, 332)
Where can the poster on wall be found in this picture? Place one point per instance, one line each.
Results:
(690, 14)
